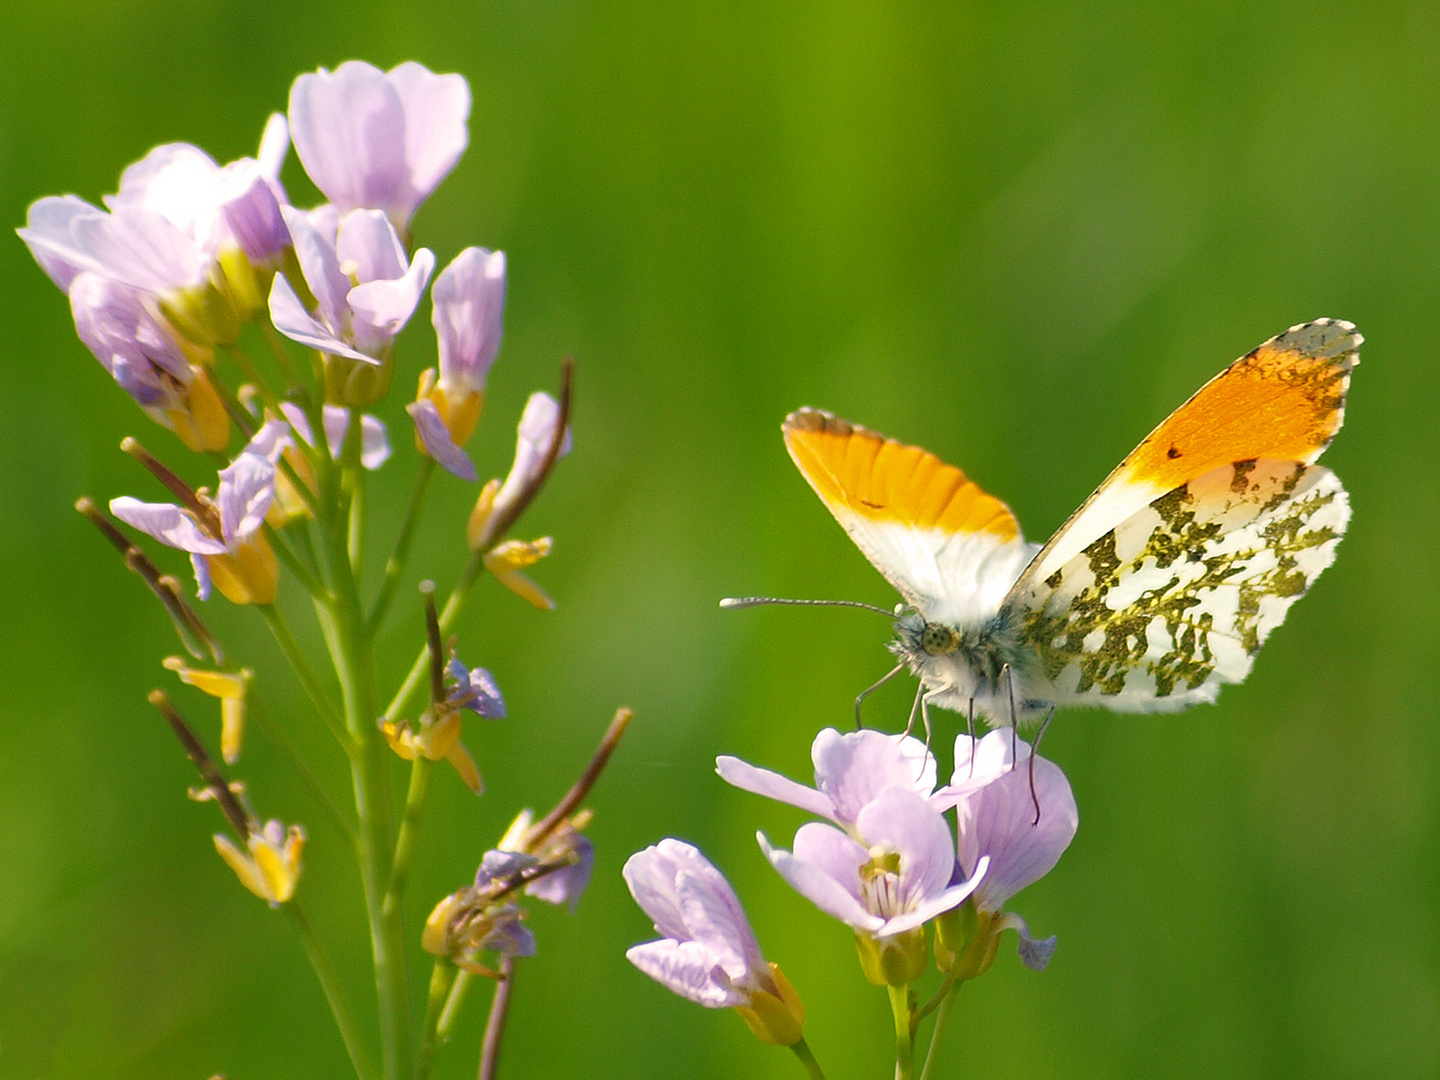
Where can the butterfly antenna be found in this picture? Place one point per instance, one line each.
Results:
(871, 689)
(1035, 749)
(732, 602)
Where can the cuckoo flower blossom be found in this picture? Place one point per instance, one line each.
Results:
(1000, 821)
(897, 876)
(850, 771)
(468, 299)
(221, 534)
(708, 954)
(365, 291)
(379, 140)
(145, 356)
(181, 229)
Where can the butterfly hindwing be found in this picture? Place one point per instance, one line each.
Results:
(1158, 612)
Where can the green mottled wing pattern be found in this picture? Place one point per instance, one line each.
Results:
(1176, 600)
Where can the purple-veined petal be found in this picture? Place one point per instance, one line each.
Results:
(978, 762)
(382, 308)
(686, 968)
(468, 301)
(437, 108)
(772, 785)
(247, 488)
(832, 880)
(349, 132)
(999, 820)
(134, 246)
(438, 443)
(369, 248)
(291, 319)
(653, 877)
(711, 922)
(252, 212)
(167, 523)
(854, 767)
(47, 230)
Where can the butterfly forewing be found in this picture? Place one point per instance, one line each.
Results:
(934, 534)
(1158, 612)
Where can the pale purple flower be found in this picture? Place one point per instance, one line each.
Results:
(364, 286)
(998, 822)
(708, 953)
(133, 245)
(231, 519)
(468, 300)
(535, 433)
(897, 877)
(374, 442)
(475, 690)
(376, 140)
(565, 886)
(851, 769)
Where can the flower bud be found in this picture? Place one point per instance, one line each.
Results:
(248, 575)
(775, 1018)
(895, 960)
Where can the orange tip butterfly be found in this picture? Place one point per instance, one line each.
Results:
(1161, 587)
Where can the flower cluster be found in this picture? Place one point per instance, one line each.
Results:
(263, 336)
(884, 862)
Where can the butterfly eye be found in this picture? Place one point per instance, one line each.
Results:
(938, 639)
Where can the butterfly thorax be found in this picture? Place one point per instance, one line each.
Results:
(980, 667)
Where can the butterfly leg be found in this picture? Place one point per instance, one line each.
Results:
(1008, 674)
(970, 727)
(914, 708)
(1035, 749)
(860, 697)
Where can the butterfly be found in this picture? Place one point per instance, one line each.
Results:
(1159, 589)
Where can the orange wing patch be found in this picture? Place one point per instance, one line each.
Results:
(856, 469)
(1284, 401)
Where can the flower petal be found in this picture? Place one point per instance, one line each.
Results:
(854, 767)
(292, 320)
(686, 968)
(436, 110)
(349, 132)
(772, 785)
(438, 443)
(825, 869)
(167, 523)
(468, 301)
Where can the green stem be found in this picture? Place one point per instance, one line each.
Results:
(904, 1035)
(396, 565)
(451, 612)
(938, 1033)
(802, 1051)
(442, 980)
(369, 761)
(334, 994)
(420, 770)
(451, 1012)
(305, 673)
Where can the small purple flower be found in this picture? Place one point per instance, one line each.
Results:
(377, 140)
(850, 771)
(437, 440)
(474, 690)
(708, 954)
(365, 288)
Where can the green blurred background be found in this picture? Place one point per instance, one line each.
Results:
(1015, 233)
